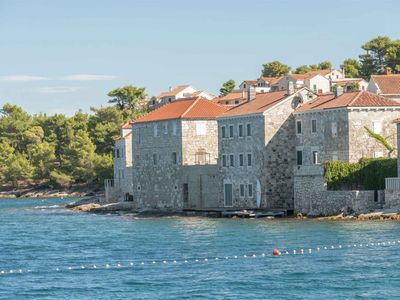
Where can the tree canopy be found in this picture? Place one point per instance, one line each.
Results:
(227, 87)
(275, 69)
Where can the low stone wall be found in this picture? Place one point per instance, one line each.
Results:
(312, 197)
(392, 198)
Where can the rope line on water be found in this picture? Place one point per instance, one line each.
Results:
(183, 261)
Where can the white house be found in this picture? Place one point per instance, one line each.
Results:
(385, 85)
(349, 83)
(312, 80)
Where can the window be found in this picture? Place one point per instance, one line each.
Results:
(315, 157)
(240, 130)
(249, 160)
(117, 153)
(231, 131)
(377, 127)
(248, 130)
(223, 132)
(236, 101)
(224, 160)
(201, 128)
(227, 102)
(242, 190)
(231, 160)
(174, 128)
(154, 159)
(334, 129)
(166, 128)
(244, 85)
(299, 157)
(313, 126)
(250, 190)
(174, 158)
(155, 129)
(314, 87)
(241, 160)
(169, 99)
(298, 127)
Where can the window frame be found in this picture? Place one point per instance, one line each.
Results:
(313, 122)
(249, 159)
(299, 122)
(231, 160)
(250, 192)
(248, 130)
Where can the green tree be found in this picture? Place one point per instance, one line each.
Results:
(128, 97)
(275, 69)
(325, 65)
(6, 154)
(42, 157)
(374, 60)
(302, 69)
(227, 87)
(351, 68)
(18, 169)
(314, 67)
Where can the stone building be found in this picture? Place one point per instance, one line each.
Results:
(256, 145)
(334, 127)
(175, 155)
(120, 187)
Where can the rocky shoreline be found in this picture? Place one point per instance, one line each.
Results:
(51, 193)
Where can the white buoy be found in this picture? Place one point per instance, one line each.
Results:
(69, 268)
(142, 263)
(186, 261)
(20, 270)
(263, 254)
(154, 262)
(235, 256)
(174, 261)
(131, 263)
(216, 258)
(254, 255)
(164, 262)
(245, 256)
(94, 267)
(205, 259)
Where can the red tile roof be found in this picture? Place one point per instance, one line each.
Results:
(260, 104)
(199, 108)
(388, 84)
(235, 95)
(396, 120)
(251, 82)
(311, 74)
(271, 80)
(127, 125)
(350, 99)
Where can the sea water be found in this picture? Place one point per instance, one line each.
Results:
(49, 252)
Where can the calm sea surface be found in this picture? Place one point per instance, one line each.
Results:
(56, 251)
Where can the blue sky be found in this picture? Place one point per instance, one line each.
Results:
(58, 56)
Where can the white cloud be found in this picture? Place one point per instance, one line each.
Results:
(22, 78)
(57, 89)
(87, 77)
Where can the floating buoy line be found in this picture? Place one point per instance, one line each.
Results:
(157, 262)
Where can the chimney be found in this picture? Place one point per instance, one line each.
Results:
(170, 88)
(251, 93)
(290, 88)
(338, 91)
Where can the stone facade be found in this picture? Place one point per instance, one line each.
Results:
(313, 198)
(261, 174)
(163, 154)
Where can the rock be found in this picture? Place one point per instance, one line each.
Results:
(86, 207)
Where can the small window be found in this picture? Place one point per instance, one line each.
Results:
(227, 102)
(248, 129)
(201, 128)
(223, 132)
(231, 160)
(315, 157)
(242, 190)
(334, 129)
(241, 160)
(377, 127)
(314, 87)
(299, 157)
(231, 131)
(174, 158)
(298, 127)
(313, 126)
(236, 101)
(117, 153)
(154, 159)
(224, 160)
(244, 85)
(240, 130)
(155, 129)
(250, 190)
(249, 159)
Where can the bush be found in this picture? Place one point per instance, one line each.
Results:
(60, 179)
(367, 174)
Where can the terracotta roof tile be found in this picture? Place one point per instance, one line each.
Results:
(199, 108)
(350, 99)
(388, 84)
(261, 103)
(235, 95)
(271, 80)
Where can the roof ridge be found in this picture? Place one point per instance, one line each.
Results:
(354, 100)
(191, 106)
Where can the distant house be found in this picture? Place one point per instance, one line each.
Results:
(246, 84)
(120, 187)
(234, 98)
(385, 85)
(261, 85)
(179, 92)
(256, 145)
(175, 155)
(349, 84)
(315, 81)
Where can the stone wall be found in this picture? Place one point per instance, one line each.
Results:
(392, 198)
(312, 197)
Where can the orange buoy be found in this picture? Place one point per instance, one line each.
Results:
(276, 252)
